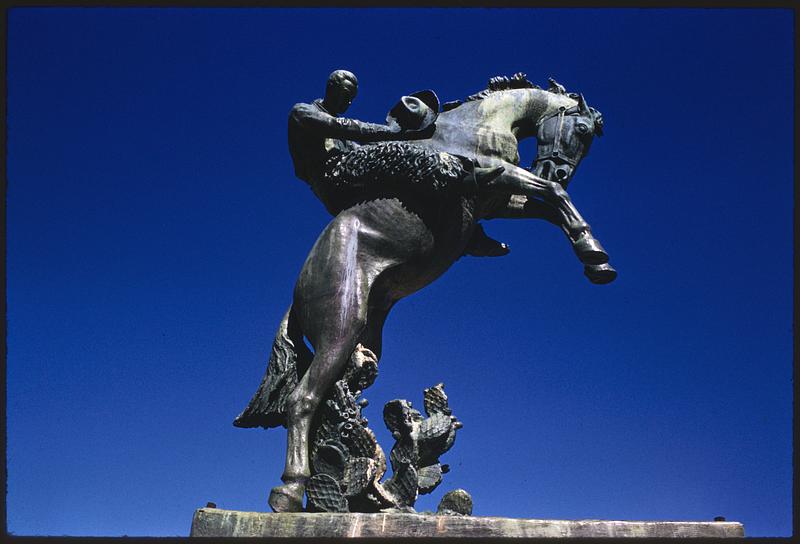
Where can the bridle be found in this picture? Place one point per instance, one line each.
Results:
(555, 154)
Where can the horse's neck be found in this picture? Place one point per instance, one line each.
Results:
(491, 127)
(530, 106)
(504, 109)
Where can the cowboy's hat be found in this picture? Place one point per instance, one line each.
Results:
(413, 114)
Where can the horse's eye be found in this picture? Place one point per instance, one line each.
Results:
(583, 129)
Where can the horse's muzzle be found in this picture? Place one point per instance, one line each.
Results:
(554, 171)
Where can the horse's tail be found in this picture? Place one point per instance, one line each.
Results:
(288, 362)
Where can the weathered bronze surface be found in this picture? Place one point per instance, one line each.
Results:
(407, 197)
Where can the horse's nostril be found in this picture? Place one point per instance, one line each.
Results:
(561, 173)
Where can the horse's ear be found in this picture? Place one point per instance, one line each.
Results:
(583, 108)
(556, 87)
(598, 121)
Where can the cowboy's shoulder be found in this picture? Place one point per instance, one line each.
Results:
(302, 110)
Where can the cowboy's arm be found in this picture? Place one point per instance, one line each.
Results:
(342, 128)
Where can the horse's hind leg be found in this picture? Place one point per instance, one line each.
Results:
(331, 302)
(370, 344)
(332, 353)
(325, 368)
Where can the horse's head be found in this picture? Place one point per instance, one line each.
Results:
(563, 140)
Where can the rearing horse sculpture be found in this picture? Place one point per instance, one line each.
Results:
(375, 252)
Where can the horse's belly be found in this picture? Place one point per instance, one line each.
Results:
(451, 230)
(402, 250)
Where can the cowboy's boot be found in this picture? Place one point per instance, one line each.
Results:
(481, 245)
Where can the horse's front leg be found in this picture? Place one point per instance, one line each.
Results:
(518, 181)
(522, 207)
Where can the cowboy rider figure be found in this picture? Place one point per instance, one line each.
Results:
(317, 133)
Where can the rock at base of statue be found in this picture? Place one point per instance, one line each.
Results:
(214, 522)
(455, 503)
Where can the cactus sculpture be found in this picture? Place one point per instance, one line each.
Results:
(348, 463)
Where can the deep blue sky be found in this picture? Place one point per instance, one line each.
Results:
(155, 231)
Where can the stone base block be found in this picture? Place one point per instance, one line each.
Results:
(215, 522)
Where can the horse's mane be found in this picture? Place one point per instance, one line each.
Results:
(504, 83)
(521, 81)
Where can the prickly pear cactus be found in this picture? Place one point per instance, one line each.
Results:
(347, 461)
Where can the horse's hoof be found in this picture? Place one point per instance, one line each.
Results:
(589, 250)
(287, 498)
(600, 273)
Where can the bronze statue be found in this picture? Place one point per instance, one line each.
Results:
(405, 211)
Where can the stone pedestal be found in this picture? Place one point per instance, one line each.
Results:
(214, 522)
